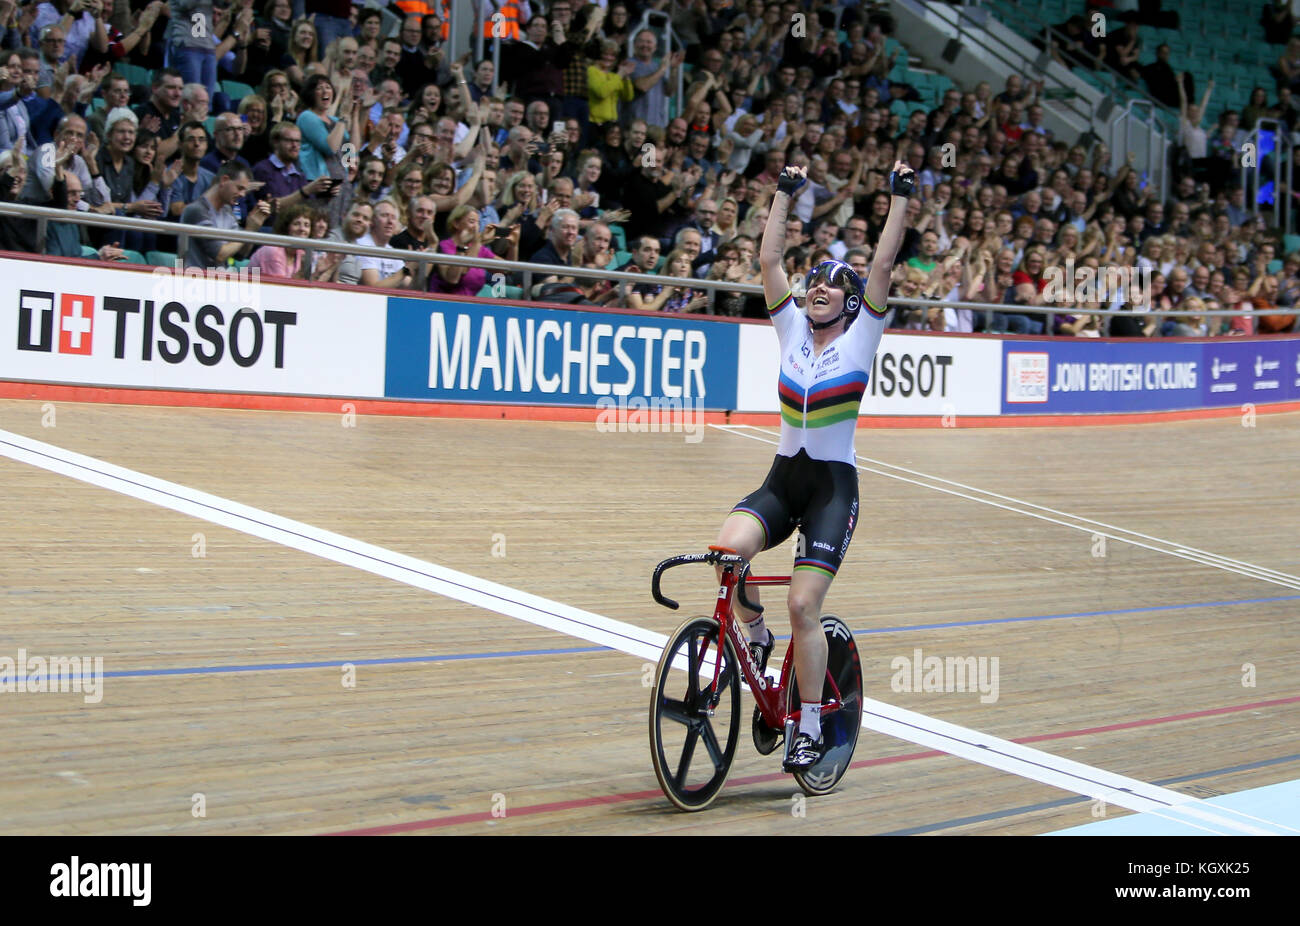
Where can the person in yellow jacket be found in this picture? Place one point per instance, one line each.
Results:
(607, 86)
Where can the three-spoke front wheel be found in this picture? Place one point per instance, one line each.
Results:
(695, 725)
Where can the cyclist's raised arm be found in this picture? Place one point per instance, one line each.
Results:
(901, 184)
(771, 252)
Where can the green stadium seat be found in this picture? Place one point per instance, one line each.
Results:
(89, 252)
(161, 259)
(1290, 244)
(622, 257)
(210, 123)
(620, 237)
(1275, 265)
(134, 257)
(511, 292)
(235, 90)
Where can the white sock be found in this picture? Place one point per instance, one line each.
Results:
(757, 630)
(810, 718)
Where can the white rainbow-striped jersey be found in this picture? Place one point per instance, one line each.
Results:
(820, 395)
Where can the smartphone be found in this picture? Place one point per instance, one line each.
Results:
(545, 195)
(557, 127)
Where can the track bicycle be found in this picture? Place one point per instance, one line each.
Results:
(697, 693)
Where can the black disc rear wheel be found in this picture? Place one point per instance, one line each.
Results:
(840, 728)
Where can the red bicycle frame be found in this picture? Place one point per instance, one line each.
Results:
(767, 696)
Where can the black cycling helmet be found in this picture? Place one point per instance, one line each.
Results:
(840, 275)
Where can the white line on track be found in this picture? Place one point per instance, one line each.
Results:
(627, 638)
(1019, 506)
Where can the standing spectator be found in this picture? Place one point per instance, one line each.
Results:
(78, 18)
(653, 80)
(161, 113)
(191, 43)
(535, 65)
(419, 64)
(607, 86)
(213, 210)
(330, 18)
(304, 51)
(1190, 133)
(1278, 22)
(257, 140)
(117, 45)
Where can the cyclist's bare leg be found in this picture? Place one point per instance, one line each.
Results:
(808, 589)
(742, 533)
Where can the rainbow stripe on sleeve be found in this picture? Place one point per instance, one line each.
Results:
(780, 304)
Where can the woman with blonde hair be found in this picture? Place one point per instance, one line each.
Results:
(304, 49)
(725, 225)
(466, 240)
(281, 98)
(408, 183)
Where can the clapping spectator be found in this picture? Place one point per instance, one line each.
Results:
(214, 210)
(464, 238)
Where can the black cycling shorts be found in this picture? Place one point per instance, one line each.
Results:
(818, 496)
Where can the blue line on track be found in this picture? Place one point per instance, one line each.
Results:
(512, 654)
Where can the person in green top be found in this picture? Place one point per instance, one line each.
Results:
(927, 259)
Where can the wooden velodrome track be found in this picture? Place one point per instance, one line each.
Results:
(464, 720)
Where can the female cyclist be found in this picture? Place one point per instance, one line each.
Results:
(813, 484)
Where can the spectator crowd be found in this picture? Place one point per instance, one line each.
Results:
(325, 120)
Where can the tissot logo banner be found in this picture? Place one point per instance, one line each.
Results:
(497, 353)
(910, 375)
(41, 314)
(115, 327)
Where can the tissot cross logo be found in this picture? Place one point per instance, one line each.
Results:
(36, 320)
